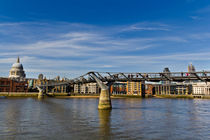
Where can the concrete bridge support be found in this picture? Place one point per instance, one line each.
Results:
(41, 93)
(104, 99)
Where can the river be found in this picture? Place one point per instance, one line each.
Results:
(78, 118)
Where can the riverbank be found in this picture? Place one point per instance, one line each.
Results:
(66, 95)
(183, 96)
(97, 96)
(174, 96)
(18, 94)
(63, 95)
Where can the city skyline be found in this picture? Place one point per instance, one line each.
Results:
(119, 36)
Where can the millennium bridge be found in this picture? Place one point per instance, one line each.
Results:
(104, 79)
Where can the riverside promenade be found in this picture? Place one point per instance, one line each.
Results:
(66, 95)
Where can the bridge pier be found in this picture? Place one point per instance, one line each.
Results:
(41, 93)
(104, 99)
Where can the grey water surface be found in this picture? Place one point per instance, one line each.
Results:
(79, 118)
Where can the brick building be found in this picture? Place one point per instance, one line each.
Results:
(118, 88)
(149, 89)
(9, 85)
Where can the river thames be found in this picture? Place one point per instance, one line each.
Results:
(79, 118)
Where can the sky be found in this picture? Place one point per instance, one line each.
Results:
(71, 37)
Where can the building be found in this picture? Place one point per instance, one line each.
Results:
(201, 88)
(88, 88)
(9, 85)
(84, 88)
(59, 88)
(17, 72)
(16, 81)
(191, 68)
(77, 88)
(173, 89)
(167, 74)
(135, 88)
(118, 88)
(166, 70)
(93, 88)
(149, 89)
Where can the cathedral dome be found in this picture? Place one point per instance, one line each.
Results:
(17, 65)
(17, 71)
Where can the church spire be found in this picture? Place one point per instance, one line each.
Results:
(18, 60)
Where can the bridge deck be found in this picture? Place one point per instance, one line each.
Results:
(136, 77)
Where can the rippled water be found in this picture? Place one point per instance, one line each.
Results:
(29, 118)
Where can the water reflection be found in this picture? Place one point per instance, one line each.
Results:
(104, 121)
(12, 120)
(12, 116)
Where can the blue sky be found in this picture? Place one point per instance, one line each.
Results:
(71, 37)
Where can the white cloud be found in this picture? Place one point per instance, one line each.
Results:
(200, 36)
(68, 49)
(147, 26)
(195, 17)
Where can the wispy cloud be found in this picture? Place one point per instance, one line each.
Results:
(200, 36)
(70, 49)
(147, 26)
(195, 17)
(204, 10)
(5, 17)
